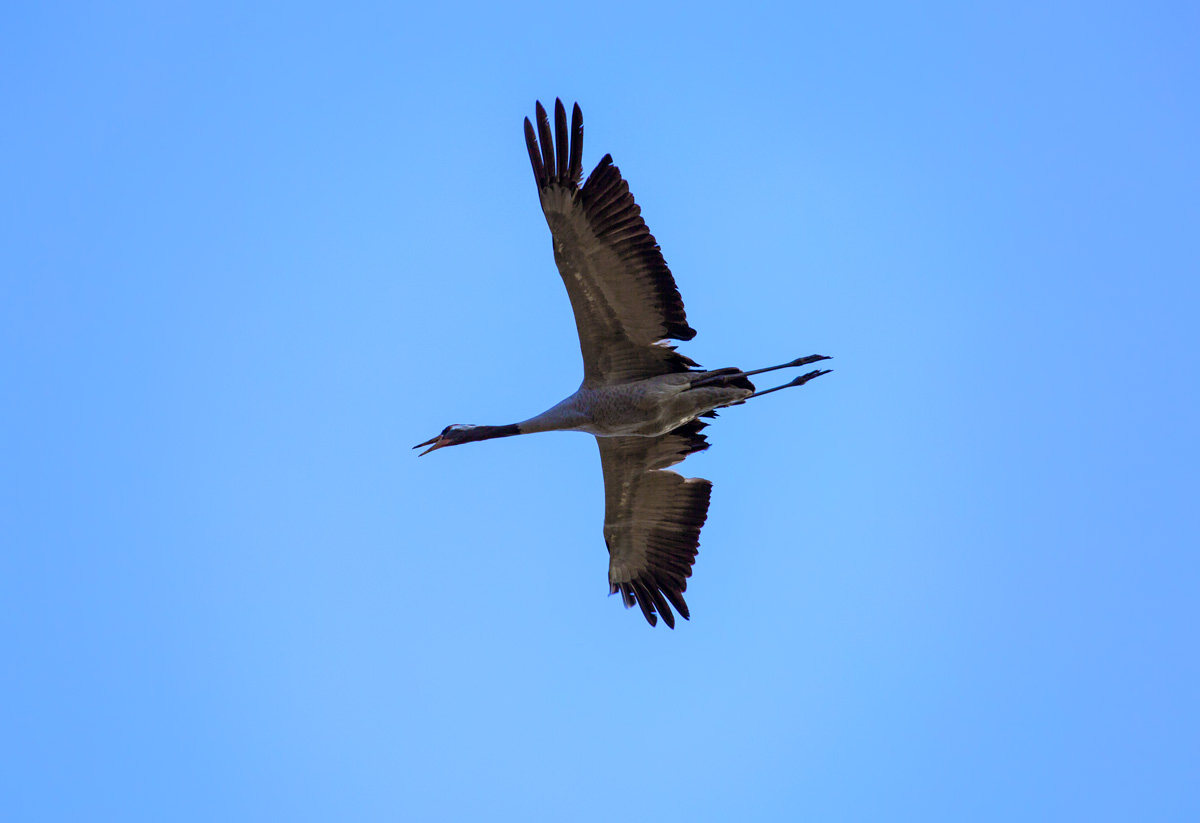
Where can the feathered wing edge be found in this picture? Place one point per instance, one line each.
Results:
(610, 210)
(653, 519)
(566, 166)
(617, 220)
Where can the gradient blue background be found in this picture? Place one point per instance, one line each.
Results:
(249, 257)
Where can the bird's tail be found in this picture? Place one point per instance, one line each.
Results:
(723, 379)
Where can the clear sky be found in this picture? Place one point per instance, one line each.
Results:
(248, 258)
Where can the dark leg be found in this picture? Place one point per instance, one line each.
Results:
(803, 361)
(799, 381)
(795, 364)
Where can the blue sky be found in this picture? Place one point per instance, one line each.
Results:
(250, 256)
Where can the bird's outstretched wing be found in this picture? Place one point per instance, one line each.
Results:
(624, 297)
(652, 518)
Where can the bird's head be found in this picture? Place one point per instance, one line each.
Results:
(452, 435)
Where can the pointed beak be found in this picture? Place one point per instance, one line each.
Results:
(437, 444)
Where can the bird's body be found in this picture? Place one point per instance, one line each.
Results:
(641, 399)
(640, 408)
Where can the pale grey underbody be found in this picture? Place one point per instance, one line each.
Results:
(642, 408)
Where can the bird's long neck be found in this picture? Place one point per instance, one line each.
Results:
(489, 432)
(564, 416)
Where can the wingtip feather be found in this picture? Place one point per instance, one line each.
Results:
(575, 169)
(535, 157)
(562, 139)
(547, 140)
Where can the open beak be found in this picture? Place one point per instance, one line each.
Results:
(437, 444)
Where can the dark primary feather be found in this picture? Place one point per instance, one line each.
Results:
(560, 134)
(547, 143)
(652, 518)
(576, 166)
(623, 295)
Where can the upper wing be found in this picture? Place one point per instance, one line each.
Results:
(622, 292)
(652, 518)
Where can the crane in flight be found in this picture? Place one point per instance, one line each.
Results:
(641, 398)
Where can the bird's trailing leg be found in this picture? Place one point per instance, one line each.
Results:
(795, 364)
(802, 361)
(799, 381)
